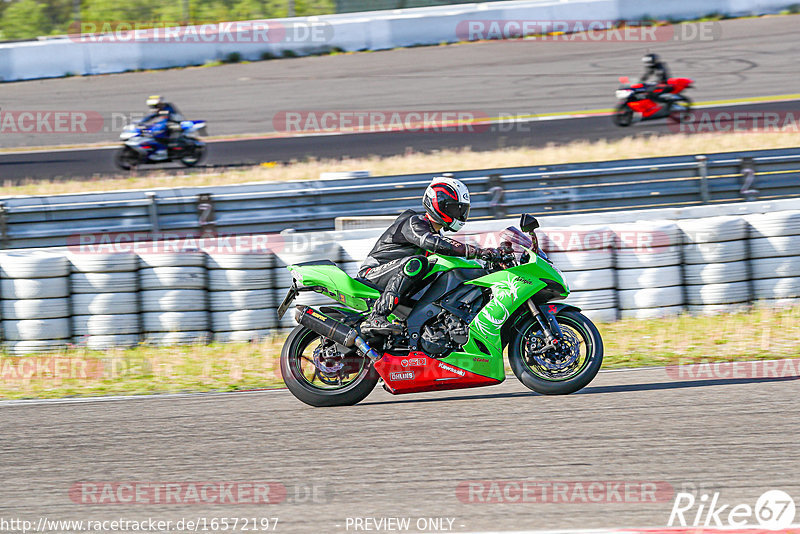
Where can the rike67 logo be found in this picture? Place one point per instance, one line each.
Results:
(773, 510)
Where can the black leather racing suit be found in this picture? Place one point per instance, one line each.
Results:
(661, 73)
(398, 261)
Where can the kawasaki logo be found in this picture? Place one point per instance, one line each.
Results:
(455, 370)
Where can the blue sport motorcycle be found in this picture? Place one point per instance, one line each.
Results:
(140, 146)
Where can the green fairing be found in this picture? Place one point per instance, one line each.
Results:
(448, 263)
(511, 288)
(341, 287)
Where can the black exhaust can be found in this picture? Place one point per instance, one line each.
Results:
(325, 326)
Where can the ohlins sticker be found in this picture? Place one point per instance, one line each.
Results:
(404, 375)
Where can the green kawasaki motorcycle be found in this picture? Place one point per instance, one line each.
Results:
(454, 329)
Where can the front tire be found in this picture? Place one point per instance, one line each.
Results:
(197, 155)
(529, 371)
(682, 110)
(308, 390)
(126, 158)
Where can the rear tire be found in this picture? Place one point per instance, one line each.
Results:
(353, 393)
(587, 371)
(126, 158)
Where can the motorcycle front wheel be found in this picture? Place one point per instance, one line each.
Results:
(311, 375)
(623, 115)
(197, 155)
(681, 109)
(126, 158)
(563, 369)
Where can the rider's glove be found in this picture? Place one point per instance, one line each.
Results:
(491, 255)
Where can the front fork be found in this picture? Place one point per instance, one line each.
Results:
(549, 324)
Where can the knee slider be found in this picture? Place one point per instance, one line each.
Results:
(415, 266)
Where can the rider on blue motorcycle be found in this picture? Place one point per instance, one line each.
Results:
(163, 122)
(399, 260)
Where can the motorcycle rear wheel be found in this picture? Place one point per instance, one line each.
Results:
(623, 115)
(574, 325)
(126, 158)
(297, 364)
(197, 155)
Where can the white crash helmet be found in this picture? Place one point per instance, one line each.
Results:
(446, 200)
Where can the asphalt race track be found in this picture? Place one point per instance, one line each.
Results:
(405, 456)
(746, 58)
(536, 133)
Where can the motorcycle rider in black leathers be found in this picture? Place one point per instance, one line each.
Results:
(657, 68)
(164, 122)
(399, 260)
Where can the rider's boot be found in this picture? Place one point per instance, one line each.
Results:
(378, 322)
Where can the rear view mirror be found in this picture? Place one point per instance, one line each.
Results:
(528, 223)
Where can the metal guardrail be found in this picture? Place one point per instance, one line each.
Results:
(45, 221)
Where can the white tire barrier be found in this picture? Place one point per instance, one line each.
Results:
(723, 252)
(357, 250)
(177, 338)
(239, 279)
(651, 297)
(647, 257)
(36, 329)
(167, 300)
(102, 263)
(36, 288)
(779, 267)
(592, 300)
(779, 223)
(652, 277)
(107, 341)
(651, 313)
(282, 277)
(33, 264)
(181, 259)
(103, 325)
(240, 336)
(589, 280)
(240, 261)
(725, 293)
(579, 237)
(583, 260)
(225, 321)
(713, 229)
(189, 321)
(715, 273)
(604, 315)
(241, 300)
(716, 309)
(767, 247)
(33, 346)
(777, 288)
(122, 282)
(173, 278)
(104, 303)
(34, 308)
